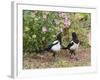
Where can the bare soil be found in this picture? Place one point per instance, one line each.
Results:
(62, 59)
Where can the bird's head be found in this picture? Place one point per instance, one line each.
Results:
(59, 36)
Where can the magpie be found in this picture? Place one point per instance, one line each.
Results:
(73, 44)
(55, 46)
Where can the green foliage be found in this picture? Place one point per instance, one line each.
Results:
(41, 27)
(39, 30)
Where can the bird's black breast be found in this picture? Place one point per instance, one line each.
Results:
(69, 45)
(76, 41)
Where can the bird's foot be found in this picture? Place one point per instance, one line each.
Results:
(71, 57)
(54, 59)
(74, 57)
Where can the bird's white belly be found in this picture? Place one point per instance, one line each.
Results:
(56, 47)
(74, 47)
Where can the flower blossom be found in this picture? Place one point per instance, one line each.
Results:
(61, 29)
(47, 12)
(44, 29)
(33, 13)
(66, 22)
(44, 16)
(56, 21)
(61, 14)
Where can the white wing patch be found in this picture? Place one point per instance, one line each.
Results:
(74, 47)
(56, 47)
(55, 41)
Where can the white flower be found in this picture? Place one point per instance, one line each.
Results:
(47, 12)
(61, 30)
(69, 23)
(33, 14)
(56, 21)
(44, 29)
(44, 16)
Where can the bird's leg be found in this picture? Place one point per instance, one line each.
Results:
(54, 54)
(75, 56)
(71, 53)
(74, 53)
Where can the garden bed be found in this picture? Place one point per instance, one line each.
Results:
(62, 59)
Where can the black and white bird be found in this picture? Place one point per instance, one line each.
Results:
(55, 46)
(73, 44)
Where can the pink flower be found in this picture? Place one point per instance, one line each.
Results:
(61, 14)
(66, 18)
(44, 29)
(69, 23)
(66, 22)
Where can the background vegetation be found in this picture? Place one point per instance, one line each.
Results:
(41, 27)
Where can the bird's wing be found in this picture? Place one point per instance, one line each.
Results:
(55, 42)
(51, 45)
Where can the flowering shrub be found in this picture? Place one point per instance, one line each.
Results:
(41, 27)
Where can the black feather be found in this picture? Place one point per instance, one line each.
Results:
(50, 46)
(69, 45)
(72, 43)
